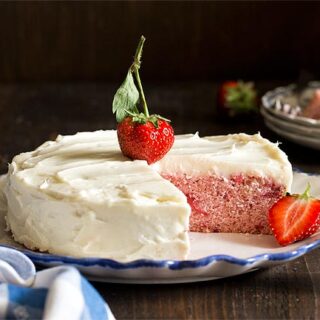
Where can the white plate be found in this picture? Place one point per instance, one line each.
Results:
(290, 126)
(269, 99)
(312, 142)
(212, 256)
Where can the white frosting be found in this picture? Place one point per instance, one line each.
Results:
(80, 196)
(227, 155)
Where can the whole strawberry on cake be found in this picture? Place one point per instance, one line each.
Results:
(141, 136)
(137, 192)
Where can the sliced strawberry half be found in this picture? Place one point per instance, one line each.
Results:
(295, 217)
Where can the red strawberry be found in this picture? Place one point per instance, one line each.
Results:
(235, 97)
(223, 92)
(146, 141)
(141, 136)
(295, 217)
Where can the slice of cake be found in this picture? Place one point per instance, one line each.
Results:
(80, 196)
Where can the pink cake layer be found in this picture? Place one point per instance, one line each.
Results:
(238, 204)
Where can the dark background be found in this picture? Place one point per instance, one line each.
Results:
(61, 63)
(186, 40)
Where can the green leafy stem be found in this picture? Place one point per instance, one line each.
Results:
(128, 96)
(135, 69)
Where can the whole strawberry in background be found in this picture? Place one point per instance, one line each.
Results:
(141, 136)
(237, 97)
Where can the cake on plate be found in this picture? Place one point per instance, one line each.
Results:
(79, 196)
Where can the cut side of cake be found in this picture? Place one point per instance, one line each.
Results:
(230, 182)
(237, 204)
(80, 196)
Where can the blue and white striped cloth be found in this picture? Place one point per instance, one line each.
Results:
(55, 293)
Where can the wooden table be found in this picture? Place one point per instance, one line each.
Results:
(33, 113)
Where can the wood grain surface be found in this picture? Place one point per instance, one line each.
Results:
(31, 114)
(93, 40)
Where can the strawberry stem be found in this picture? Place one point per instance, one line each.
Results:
(306, 194)
(135, 69)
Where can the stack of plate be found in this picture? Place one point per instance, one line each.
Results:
(283, 120)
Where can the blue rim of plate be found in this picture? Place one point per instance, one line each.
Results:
(46, 258)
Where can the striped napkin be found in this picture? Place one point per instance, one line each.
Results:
(55, 293)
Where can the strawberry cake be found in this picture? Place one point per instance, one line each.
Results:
(80, 196)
